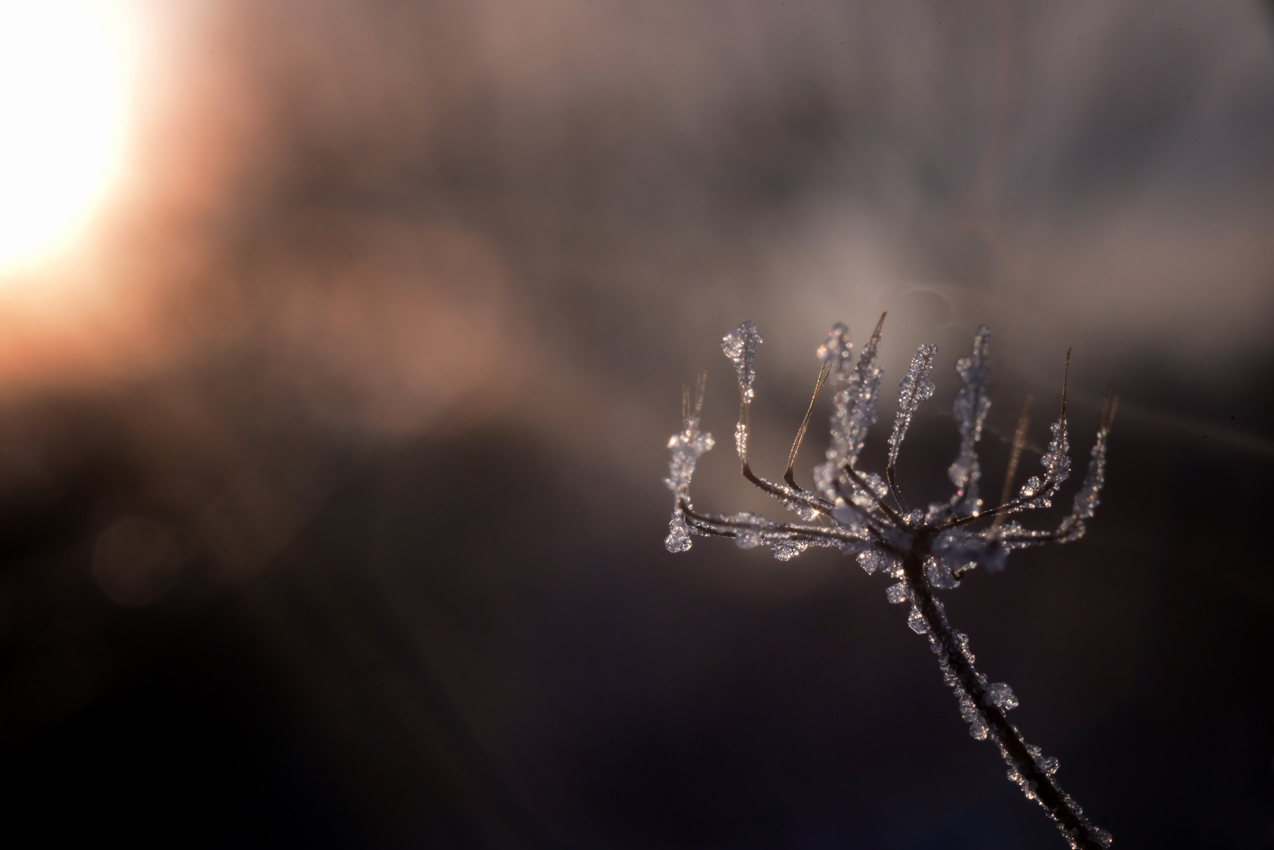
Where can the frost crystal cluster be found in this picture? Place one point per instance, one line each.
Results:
(922, 550)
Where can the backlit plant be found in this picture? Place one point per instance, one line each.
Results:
(924, 550)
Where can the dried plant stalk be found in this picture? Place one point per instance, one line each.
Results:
(925, 551)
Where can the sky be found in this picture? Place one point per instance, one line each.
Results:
(335, 423)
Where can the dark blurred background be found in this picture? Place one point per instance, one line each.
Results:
(331, 451)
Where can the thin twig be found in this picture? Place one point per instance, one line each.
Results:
(1019, 440)
(805, 423)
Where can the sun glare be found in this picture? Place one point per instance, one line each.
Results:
(66, 73)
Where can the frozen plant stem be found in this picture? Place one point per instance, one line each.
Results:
(925, 551)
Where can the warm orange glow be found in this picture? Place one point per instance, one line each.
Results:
(66, 75)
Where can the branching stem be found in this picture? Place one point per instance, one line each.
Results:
(1038, 784)
(926, 551)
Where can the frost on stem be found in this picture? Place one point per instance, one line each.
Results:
(922, 551)
(740, 346)
(915, 387)
(687, 446)
(970, 409)
(854, 406)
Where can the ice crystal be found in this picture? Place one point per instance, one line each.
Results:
(1038, 492)
(924, 551)
(854, 406)
(1001, 696)
(751, 526)
(838, 351)
(686, 447)
(940, 574)
(869, 491)
(1087, 499)
(913, 389)
(786, 549)
(740, 346)
(970, 409)
(741, 440)
(678, 539)
(975, 718)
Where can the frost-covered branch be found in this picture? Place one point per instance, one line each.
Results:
(925, 551)
(970, 409)
(916, 387)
